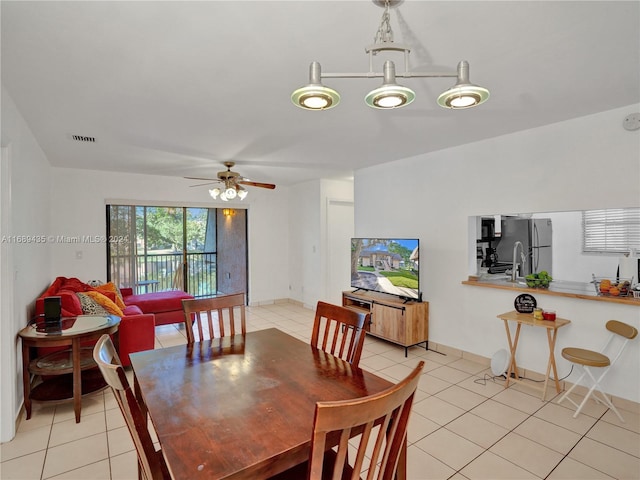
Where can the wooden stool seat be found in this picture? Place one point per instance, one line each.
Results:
(585, 357)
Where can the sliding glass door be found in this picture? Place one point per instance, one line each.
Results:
(163, 248)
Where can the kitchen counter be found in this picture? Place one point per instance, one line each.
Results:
(560, 288)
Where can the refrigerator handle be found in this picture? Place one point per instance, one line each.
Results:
(536, 243)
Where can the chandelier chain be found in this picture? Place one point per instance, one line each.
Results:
(384, 33)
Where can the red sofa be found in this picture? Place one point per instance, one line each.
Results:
(139, 314)
(136, 330)
(166, 306)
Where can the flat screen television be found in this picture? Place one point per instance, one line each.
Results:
(387, 265)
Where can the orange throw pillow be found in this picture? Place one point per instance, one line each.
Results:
(111, 287)
(105, 303)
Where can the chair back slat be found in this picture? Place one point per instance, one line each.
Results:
(218, 314)
(358, 463)
(150, 462)
(381, 418)
(339, 331)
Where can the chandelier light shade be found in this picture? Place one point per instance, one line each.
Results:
(316, 96)
(390, 94)
(463, 94)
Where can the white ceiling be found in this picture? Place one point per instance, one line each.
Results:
(176, 88)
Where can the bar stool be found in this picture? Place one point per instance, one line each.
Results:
(603, 359)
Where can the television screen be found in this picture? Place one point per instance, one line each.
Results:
(387, 265)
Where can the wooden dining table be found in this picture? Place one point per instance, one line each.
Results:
(242, 407)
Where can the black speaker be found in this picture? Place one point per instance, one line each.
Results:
(52, 309)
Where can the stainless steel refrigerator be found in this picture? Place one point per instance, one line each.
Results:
(535, 235)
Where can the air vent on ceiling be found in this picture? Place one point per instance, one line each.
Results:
(82, 138)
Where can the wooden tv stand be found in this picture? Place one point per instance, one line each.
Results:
(405, 323)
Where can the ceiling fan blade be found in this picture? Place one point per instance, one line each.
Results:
(200, 178)
(257, 184)
(208, 181)
(203, 184)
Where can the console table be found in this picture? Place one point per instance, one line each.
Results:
(405, 323)
(70, 371)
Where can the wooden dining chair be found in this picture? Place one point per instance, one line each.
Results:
(214, 313)
(151, 464)
(339, 331)
(373, 428)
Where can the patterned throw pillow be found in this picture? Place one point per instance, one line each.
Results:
(105, 302)
(90, 306)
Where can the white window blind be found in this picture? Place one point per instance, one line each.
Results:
(611, 231)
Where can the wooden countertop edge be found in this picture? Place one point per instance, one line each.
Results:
(625, 301)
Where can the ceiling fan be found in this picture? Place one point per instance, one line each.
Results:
(232, 182)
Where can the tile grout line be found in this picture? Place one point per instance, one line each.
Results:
(46, 452)
(583, 436)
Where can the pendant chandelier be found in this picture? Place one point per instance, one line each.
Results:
(316, 96)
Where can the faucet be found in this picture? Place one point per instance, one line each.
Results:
(514, 266)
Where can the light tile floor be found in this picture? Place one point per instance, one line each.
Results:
(464, 425)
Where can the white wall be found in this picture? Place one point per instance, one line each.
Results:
(304, 243)
(589, 162)
(309, 236)
(269, 223)
(29, 263)
(78, 209)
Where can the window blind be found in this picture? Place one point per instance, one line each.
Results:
(611, 231)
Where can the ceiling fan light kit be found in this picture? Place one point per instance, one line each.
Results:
(316, 96)
(228, 193)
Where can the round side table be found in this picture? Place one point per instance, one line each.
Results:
(67, 373)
